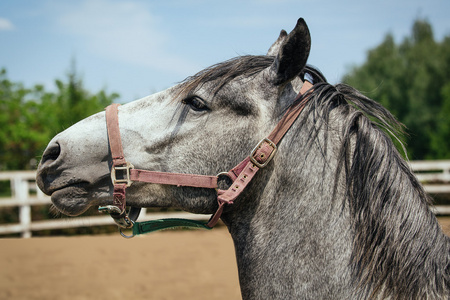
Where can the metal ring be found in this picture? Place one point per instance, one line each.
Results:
(226, 174)
(124, 235)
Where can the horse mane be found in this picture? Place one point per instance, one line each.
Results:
(224, 72)
(399, 250)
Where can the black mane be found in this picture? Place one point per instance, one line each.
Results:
(398, 243)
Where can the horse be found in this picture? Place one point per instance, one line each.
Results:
(336, 213)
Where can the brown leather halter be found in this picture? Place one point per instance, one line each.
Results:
(123, 173)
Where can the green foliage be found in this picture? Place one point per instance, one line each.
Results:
(412, 80)
(30, 117)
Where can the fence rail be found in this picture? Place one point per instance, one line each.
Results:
(434, 175)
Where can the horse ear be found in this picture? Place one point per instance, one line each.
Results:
(275, 48)
(293, 53)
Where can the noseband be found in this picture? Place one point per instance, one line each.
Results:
(123, 173)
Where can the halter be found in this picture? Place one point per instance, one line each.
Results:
(123, 173)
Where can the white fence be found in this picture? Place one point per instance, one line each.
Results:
(435, 176)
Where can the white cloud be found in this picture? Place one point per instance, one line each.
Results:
(6, 25)
(125, 31)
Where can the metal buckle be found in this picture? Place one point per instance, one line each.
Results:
(123, 221)
(252, 155)
(125, 175)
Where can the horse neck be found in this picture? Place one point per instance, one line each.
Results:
(296, 231)
(288, 234)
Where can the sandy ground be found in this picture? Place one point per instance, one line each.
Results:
(163, 265)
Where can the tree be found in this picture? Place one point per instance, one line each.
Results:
(30, 117)
(412, 80)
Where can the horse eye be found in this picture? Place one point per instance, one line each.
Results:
(195, 103)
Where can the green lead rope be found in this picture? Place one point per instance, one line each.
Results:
(155, 225)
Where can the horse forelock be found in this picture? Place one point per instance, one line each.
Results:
(224, 72)
(398, 247)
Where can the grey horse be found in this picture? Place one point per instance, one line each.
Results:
(336, 214)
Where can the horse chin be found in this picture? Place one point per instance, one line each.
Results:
(72, 201)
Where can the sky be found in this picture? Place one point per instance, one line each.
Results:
(136, 48)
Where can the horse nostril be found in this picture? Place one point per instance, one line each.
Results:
(51, 153)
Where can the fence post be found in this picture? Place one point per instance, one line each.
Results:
(22, 194)
(446, 175)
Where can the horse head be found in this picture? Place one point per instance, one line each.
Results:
(204, 125)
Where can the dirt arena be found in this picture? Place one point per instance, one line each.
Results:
(163, 265)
